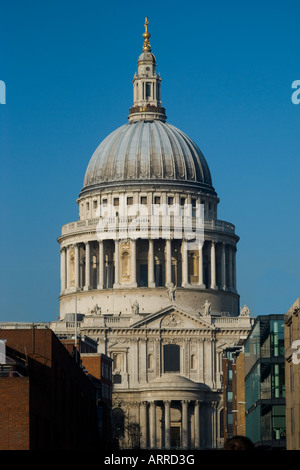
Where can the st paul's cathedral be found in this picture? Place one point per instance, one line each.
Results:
(150, 272)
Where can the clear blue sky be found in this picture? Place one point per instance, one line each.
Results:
(227, 69)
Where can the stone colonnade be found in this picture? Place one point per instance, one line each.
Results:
(211, 266)
(193, 426)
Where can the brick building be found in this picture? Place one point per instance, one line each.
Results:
(233, 392)
(47, 400)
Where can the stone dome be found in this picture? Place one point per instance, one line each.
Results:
(148, 152)
(177, 382)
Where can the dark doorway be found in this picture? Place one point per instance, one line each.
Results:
(143, 275)
(158, 275)
(175, 437)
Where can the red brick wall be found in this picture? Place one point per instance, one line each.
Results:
(92, 363)
(14, 413)
(60, 406)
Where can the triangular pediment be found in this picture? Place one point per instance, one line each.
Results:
(173, 317)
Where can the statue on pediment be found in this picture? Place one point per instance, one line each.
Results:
(96, 310)
(135, 308)
(245, 312)
(207, 307)
(171, 292)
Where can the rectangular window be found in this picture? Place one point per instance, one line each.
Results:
(171, 358)
(157, 200)
(144, 200)
(117, 379)
(148, 90)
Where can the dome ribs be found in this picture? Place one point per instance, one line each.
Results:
(126, 165)
(147, 151)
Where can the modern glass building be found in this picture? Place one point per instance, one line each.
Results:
(265, 383)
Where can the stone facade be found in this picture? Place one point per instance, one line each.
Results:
(161, 303)
(292, 375)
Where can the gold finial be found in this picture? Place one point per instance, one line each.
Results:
(146, 36)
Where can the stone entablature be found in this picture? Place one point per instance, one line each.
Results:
(89, 227)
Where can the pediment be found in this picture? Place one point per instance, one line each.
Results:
(173, 317)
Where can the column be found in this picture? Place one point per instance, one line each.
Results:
(151, 281)
(197, 425)
(100, 266)
(213, 265)
(62, 269)
(234, 268)
(87, 266)
(200, 267)
(76, 266)
(133, 262)
(214, 425)
(230, 267)
(152, 425)
(117, 264)
(184, 255)
(167, 425)
(68, 268)
(184, 424)
(143, 424)
(223, 266)
(168, 261)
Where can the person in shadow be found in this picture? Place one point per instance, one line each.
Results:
(239, 443)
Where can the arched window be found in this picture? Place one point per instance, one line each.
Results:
(171, 358)
(193, 361)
